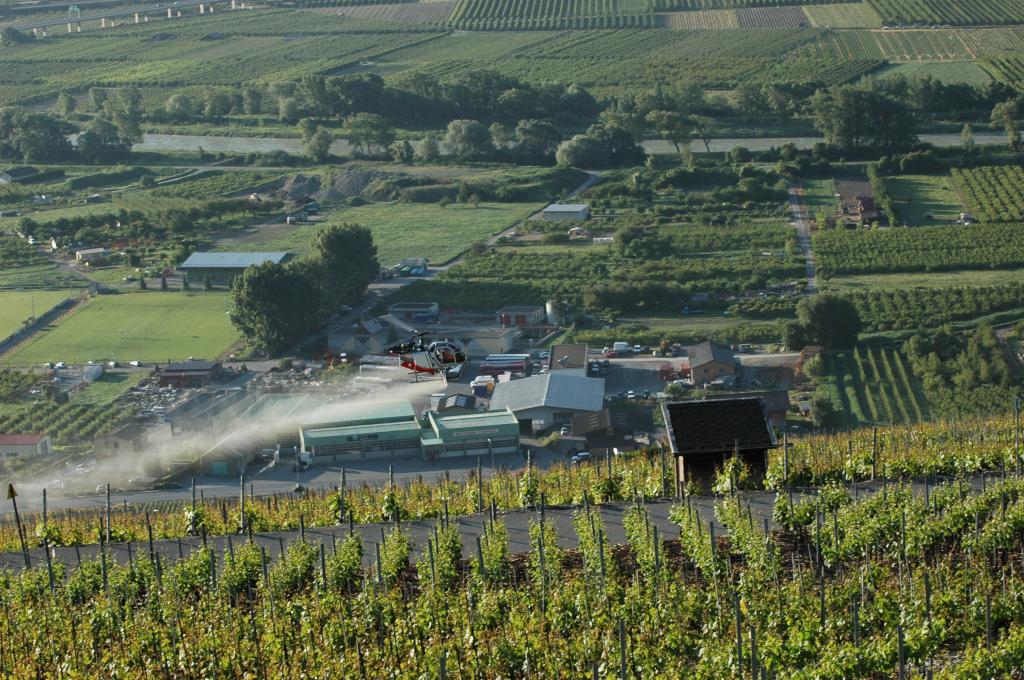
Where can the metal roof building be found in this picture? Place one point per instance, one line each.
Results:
(550, 399)
(222, 267)
(376, 431)
(566, 211)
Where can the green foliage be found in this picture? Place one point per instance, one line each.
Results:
(242, 572)
(344, 567)
(394, 555)
(829, 320)
(295, 571)
(993, 194)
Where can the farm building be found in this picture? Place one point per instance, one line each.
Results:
(128, 437)
(221, 268)
(18, 174)
(470, 434)
(377, 431)
(520, 315)
(565, 212)
(24, 445)
(392, 431)
(703, 434)
(190, 373)
(612, 428)
(549, 400)
(482, 342)
(578, 233)
(416, 312)
(91, 254)
(710, 361)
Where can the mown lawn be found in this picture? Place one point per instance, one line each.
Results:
(149, 327)
(403, 229)
(924, 200)
(16, 307)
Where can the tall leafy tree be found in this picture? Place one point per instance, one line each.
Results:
(829, 320)
(272, 305)
(345, 262)
(468, 139)
(101, 143)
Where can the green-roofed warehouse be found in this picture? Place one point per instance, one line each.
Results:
(392, 431)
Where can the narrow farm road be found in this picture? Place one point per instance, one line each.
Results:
(803, 227)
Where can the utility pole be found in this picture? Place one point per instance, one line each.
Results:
(13, 496)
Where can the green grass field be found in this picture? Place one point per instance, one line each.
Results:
(922, 200)
(948, 72)
(150, 327)
(402, 229)
(16, 307)
(819, 195)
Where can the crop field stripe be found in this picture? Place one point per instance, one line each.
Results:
(911, 387)
(898, 387)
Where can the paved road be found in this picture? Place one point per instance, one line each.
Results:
(280, 480)
(796, 203)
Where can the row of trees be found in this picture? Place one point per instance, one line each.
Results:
(275, 305)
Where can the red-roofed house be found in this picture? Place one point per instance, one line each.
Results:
(21, 445)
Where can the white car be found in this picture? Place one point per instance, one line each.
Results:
(566, 430)
(581, 457)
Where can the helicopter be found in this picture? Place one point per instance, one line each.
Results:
(420, 356)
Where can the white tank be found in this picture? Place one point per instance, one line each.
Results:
(551, 312)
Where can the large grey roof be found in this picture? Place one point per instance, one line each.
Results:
(566, 207)
(707, 352)
(231, 260)
(556, 389)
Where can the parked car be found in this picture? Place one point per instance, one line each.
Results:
(581, 457)
(566, 430)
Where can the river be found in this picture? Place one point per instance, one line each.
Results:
(214, 144)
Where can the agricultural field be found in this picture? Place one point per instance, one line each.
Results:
(924, 199)
(405, 12)
(246, 46)
(712, 19)
(17, 307)
(532, 15)
(948, 72)
(981, 246)
(771, 17)
(874, 385)
(664, 598)
(401, 229)
(993, 194)
(903, 280)
(149, 327)
(843, 15)
(952, 12)
(1009, 70)
(90, 411)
